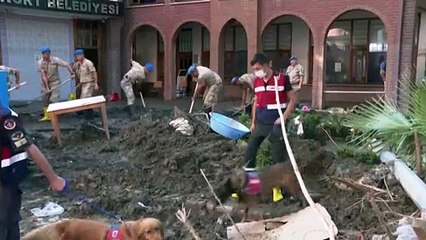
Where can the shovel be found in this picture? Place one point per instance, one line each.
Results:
(193, 99)
(42, 95)
(143, 101)
(242, 109)
(15, 87)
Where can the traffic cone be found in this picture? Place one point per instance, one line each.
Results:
(46, 115)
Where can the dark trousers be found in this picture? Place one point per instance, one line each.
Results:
(260, 133)
(10, 206)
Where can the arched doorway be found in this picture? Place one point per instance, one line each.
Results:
(148, 46)
(286, 36)
(356, 45)
(192, 46)
(233, 42)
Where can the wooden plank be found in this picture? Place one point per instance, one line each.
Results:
(75, 103)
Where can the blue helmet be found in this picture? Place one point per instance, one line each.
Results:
(149, 67)
(192, 69)
(234, 80)
(78, 52)
(293, 57)
(45, 50)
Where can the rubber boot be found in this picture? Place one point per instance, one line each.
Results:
(132, 113)
(277, 195)
(45, 116)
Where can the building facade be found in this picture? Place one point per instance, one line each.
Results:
(340, 43)
(63, 25)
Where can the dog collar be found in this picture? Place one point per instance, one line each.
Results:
(253, 184)
(114, 233)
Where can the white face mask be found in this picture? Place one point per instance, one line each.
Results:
(260, 73)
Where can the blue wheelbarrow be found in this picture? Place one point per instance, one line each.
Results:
(227, 127)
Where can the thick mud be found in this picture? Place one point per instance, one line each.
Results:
(148, 169)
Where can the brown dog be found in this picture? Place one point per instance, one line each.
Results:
(81, 229)
(279, 175)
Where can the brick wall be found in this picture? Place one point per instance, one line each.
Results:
(254, 15)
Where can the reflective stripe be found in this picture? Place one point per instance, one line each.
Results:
(259, 89)
(274, 106)
(272, 88)
(16, 158)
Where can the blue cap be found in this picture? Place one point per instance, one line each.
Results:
(149, 67)
(234, 80)
(192, 69)
(293, 58)
(45, 50)
(78, 52)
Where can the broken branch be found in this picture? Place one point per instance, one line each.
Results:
(381, 217)
(220, 203)
(183, 217)
(355, 185)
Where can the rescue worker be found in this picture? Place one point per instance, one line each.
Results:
(48, 66)
(296, 73)
(16, 149)
(86, 74)
(246, 84)
(136, 73)
(213, 83)
(12, 71)
(265, 117)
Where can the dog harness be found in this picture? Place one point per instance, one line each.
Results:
(115, 233)
(253, 184)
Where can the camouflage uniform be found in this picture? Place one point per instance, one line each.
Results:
(10, 71)
(84, 73)
(247, 85)
(137, 72)
(214, 86)
(295, 73)
(51, 69)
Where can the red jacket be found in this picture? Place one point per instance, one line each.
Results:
(266, 108)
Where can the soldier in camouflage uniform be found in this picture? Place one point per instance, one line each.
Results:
(12, 71)
(48, 66)
(206, 77)
(136, 73)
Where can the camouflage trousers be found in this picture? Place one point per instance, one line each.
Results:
(53, 96)
(213, 95)
(87, 89)
(127, 86)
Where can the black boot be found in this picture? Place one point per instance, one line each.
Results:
(132, 113)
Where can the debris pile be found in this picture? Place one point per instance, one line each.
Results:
(150, 169)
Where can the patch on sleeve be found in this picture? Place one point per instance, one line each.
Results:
(9, 124)
(18, 139)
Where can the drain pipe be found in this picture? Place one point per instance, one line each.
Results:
(412, 184)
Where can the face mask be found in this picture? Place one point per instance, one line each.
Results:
(260, 73)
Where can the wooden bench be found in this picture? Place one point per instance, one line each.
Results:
(56, 109)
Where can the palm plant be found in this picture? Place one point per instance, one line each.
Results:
(381, 124)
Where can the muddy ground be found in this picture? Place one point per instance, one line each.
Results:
(148, 162)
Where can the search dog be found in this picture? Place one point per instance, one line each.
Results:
(279, 175)
(82, 229)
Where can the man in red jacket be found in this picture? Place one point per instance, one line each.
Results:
(266, 120)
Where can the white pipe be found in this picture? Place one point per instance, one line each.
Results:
(326, 222)
(412, 184)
